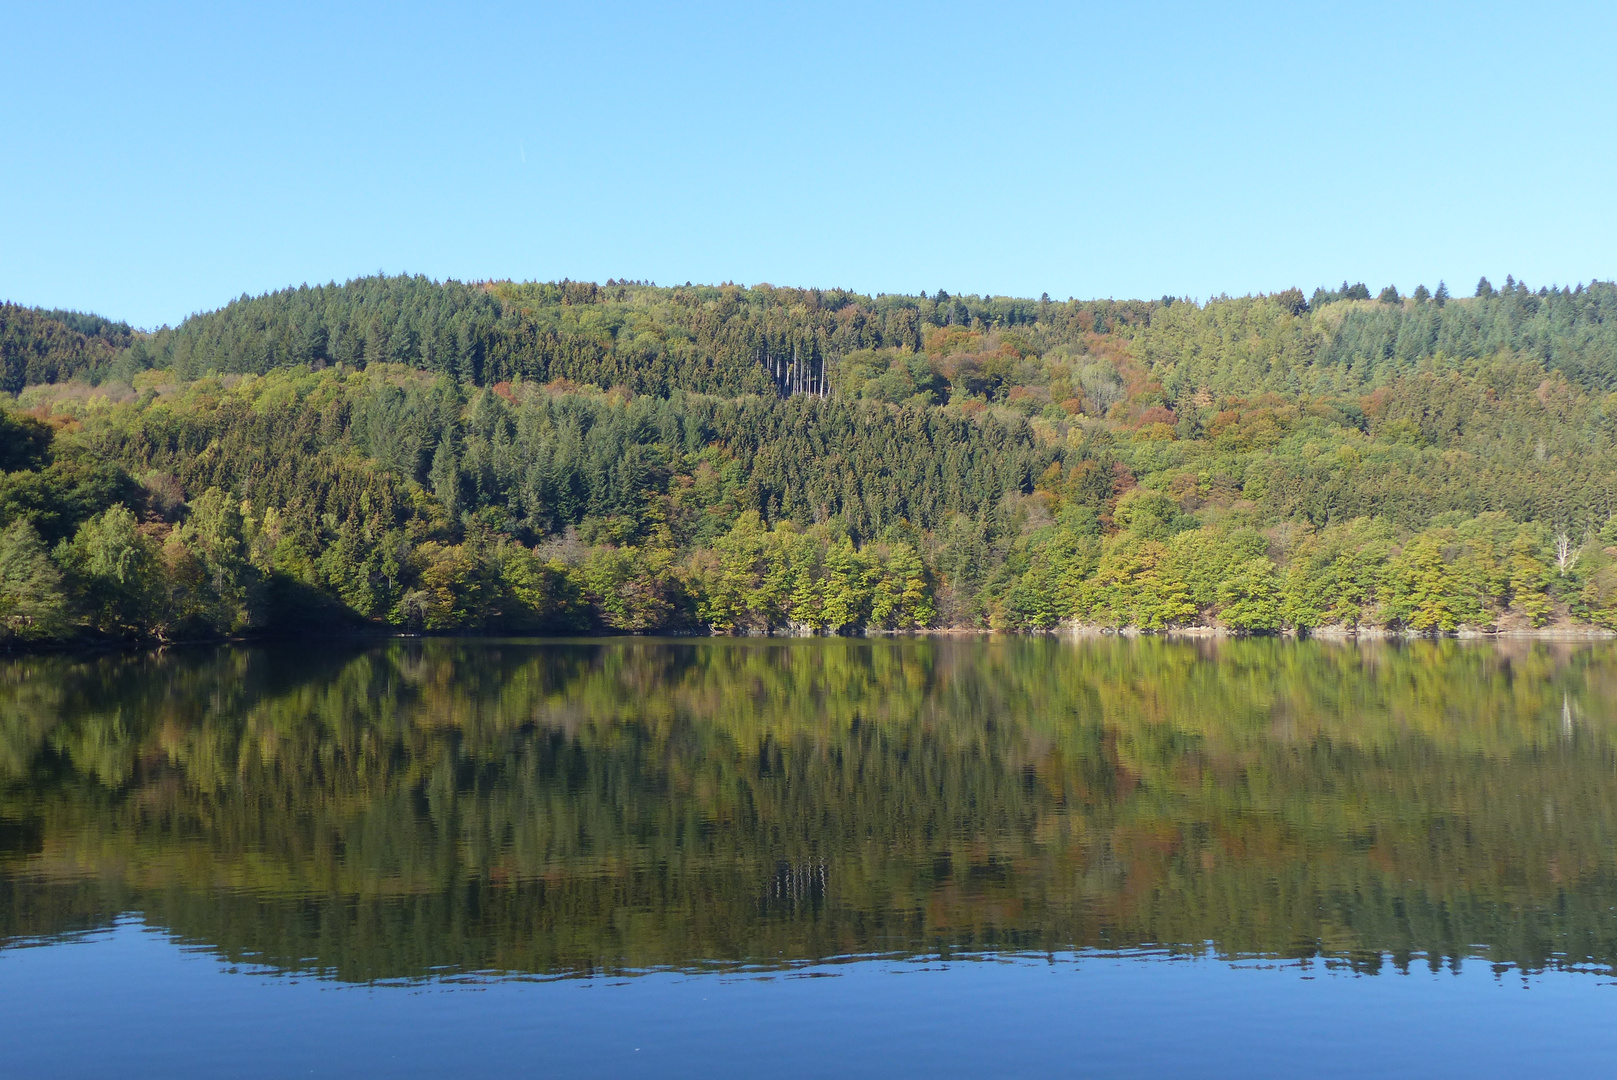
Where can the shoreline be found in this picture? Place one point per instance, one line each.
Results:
(1563, 633)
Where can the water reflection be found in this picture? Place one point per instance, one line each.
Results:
(419, 807)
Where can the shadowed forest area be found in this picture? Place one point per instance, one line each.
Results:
(402, 453)
(420, 808)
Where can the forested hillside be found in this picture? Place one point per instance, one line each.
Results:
(50, 346)
(731, 340)
(530, 457)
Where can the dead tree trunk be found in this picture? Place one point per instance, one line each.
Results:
(1564, 555)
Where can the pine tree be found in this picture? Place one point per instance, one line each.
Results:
(445, 478)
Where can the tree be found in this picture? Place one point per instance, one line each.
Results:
(229, 597)
(1565, 554)
(447, 599)
(633, 590)
(33, 605)
(1334, 577)
(445, 477)
(1529, 580)
(1249, 598)
(536, 594)
(901, 598)
(25, 442)
(1137, 584)
(1292, 301)
(846, 592)
(805, 599)
(115, 568)
(1422, 591)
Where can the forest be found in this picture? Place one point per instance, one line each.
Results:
(402, 454)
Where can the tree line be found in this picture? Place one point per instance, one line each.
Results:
(729, 339)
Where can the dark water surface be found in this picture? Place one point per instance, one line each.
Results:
(940, 856)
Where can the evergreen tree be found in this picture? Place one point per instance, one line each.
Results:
(445, 478)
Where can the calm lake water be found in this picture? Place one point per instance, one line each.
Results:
(866, 857)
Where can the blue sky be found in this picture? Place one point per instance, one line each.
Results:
(162, 159)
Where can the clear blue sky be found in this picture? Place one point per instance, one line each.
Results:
(162, 158)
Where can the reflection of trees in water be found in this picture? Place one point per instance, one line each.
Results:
(795, 887)
(422, 805)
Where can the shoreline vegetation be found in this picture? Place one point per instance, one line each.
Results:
(1572, 634)
(402, 455)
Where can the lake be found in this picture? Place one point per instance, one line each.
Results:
(957, 856)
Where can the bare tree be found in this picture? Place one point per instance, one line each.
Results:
(1564, 555)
